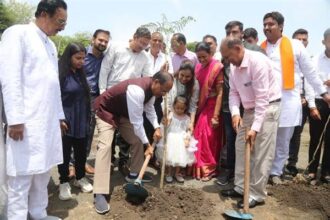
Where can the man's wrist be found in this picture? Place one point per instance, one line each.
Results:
(323, 94)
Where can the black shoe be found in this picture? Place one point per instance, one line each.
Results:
(146, 178)
(291, 170)
(123, 169)
(253, 203)
(325, 179)
(231, 193)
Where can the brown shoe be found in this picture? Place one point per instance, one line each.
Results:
(89, 169)
(72, 171)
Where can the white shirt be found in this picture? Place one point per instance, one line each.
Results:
(31, 93)
(121, 63)
(291, 110)
(136, 107)
(217, 56)
(322, 63)
(158, 62)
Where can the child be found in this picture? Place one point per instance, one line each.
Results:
(76, 107)
(180, 148)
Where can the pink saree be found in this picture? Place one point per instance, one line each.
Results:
(209, 139)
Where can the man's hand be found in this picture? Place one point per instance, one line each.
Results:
(157, 135)
(149, 150)
(327, 82)
(303, 101)
(326, 98)
(16, 132)
(237, 122)
(251, 137)
(315, 114)
(165, 67)
(64, 127)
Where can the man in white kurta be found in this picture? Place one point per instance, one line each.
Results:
(291, 110)
(32, 103)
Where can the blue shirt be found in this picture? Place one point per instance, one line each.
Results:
(92, 69)
(75, 105)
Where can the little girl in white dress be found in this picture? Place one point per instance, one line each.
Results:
(180, 144)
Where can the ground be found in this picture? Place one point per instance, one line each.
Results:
(197, 200)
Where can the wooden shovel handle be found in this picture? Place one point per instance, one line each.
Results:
(145, 164)
(247, 177)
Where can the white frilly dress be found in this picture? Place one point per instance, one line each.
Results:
(177, 153)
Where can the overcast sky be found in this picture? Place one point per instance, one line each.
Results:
(122, 17)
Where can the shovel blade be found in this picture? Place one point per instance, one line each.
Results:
(136, 190)
(238, 215)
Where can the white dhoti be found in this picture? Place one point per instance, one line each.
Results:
(27, 194)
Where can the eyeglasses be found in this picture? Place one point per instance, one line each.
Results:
(61, 22)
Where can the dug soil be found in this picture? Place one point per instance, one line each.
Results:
(170, 203)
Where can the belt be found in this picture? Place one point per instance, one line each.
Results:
(276, 100)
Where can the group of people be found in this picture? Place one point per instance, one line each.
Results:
(202, 105)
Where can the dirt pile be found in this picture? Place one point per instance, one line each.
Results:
(303, 197)
(173, 202)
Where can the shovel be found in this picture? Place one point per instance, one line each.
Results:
(245, 214)
(135, 191)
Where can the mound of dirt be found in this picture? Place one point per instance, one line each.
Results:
(174, 202)
(304, 197)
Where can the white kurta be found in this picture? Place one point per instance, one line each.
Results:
(291, 110)
(31, 93)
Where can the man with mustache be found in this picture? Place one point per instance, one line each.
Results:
(33, 107)
(290, 59)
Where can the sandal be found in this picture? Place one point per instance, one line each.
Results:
(206, 178)
(179, 178)
(325, 179)
(311, 177)
(169, 179)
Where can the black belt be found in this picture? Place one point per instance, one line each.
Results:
(276, 100)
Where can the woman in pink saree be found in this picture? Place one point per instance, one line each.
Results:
(208, 132)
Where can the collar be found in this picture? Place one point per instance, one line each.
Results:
(245, 60)
(42, 34)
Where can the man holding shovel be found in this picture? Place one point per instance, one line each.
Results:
(253, 84)
(121, 107)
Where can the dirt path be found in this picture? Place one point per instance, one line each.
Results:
(196, 200)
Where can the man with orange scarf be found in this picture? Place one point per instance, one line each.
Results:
(290, 59)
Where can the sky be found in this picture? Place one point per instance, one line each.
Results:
(123, 17)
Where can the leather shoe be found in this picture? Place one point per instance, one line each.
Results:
(230, 193)
(253, 203)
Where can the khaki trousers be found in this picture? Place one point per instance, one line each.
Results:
(263, 154)
(103, 152)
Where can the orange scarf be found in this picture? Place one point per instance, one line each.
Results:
(287, 61)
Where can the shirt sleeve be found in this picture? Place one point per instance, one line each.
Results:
(11, 76)
(147, 68)
(309, 94)
(260, 86)
(135, 99)
(170, 65)
(151, 115)
(194, 98)
(307, 67)
(105, 69)
(234, 98)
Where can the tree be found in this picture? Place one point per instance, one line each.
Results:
(62, 41)
(167, 28)
(13, 12)
(20, 12)
(191, 45)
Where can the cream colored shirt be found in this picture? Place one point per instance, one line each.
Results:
(121, 63)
